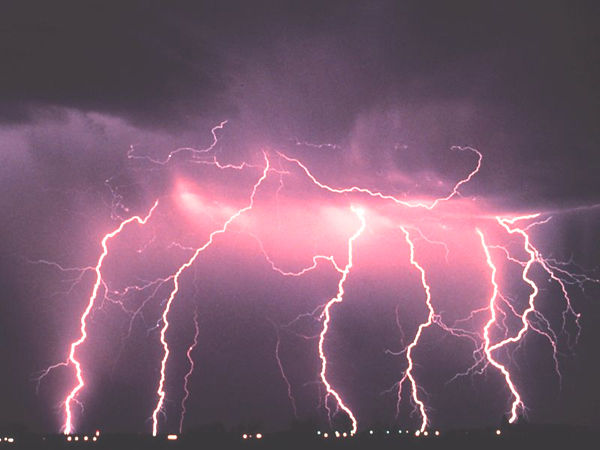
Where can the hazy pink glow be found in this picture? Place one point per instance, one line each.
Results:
(68, 425)
(431, 312)
(160, 391)
(326, 314)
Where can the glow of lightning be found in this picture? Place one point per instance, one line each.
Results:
(68, 425)
(160, 391)
(430, 320)
(188, 354)
(380, 195)
(488, 348)
(326, 316)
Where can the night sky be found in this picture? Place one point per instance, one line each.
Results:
(95, 95)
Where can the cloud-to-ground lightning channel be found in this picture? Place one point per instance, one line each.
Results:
(326, 317)
(501, 310)
(408, 374)
(68, 424)
(187, 376)
(489, 348)
(165, 316)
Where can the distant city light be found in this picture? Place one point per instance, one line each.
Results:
(370, 431)
(437, 433)
(258, 436)
(498, 432)
(172, 437)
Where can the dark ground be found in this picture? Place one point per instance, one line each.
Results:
(530, 437)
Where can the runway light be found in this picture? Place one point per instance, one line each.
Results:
(258, 436)
(399, 431)
(69, 438)
(11, 440)
(94, 439)
(318, 432)
(417, 433)
(85, 438)
(76, 438)
(245, 436)
(370, 431)
(337, 434)
(326, 435)
(97, 432)
(437, 433)
(172, 437)
(498, 432)
(387, 431)
(425, 433)
(345, 434)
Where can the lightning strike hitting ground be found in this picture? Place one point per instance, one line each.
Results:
(489, 348)
(68, 424)
(165, 316)
(502, 308)
(326, 317)
(430, 316)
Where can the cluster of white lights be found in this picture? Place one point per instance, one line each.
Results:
(71, 438)
(10, 440)
(249, 436)
(337, 434)
(417, 433)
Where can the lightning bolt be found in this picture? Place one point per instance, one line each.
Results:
(72, 359)
(396, 200)
(501, 308)
(430, 320)
(489, 348)
(193, 151)
(165, 316)
(326, 316)
(188, 354)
